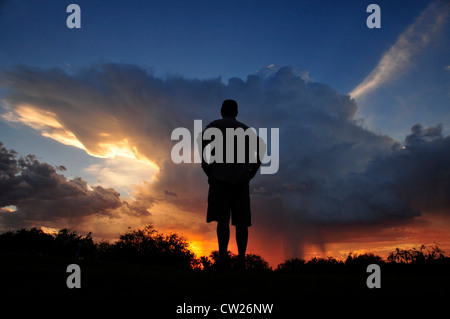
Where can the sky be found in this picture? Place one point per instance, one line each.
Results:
(363, 115)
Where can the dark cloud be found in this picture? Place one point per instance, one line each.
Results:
(41, 195)
(419, 172)
(333, 173)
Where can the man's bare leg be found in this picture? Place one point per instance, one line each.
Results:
(223, 237)
(241, 240)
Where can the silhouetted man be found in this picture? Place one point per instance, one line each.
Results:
(229, 172)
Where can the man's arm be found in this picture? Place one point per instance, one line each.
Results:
(261, 151)
(201, 147)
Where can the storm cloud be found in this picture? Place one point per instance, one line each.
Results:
(39, 194)
(333, 173)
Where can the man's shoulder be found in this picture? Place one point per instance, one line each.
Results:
(214, 123)
(244, 126)
(225, 123)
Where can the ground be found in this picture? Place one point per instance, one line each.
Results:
(111, 285)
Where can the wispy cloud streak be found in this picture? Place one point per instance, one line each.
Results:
(408, 44)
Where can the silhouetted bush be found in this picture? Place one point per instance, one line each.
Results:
(362, 260)
(151, 247)
(292, 265)
(316, 264)
(34, 241)
(148, 246)
(70, 244)
(253, 262)
(203, 262)
(424, 254)
(145, 246)
(256, 263)
(420, 258)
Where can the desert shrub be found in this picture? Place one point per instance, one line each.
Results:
(148, 246)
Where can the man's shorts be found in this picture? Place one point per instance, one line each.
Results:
(225, 198)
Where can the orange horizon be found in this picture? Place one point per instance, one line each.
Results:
(428, 229)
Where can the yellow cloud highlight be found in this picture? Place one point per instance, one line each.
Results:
(36, 118)
(48, 124)
(120, 148)
(43, 121)
(121, 173)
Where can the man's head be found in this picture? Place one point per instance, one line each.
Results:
(229, 109)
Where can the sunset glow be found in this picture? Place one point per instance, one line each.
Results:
(360, 114)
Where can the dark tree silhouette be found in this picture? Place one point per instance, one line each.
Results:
(252, 262)
(292, 265)
(148, 246)
(362, 260)
(67, 243)
(419, 255)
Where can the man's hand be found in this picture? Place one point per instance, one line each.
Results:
(206, 168)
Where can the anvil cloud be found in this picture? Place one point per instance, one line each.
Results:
(333, 174)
